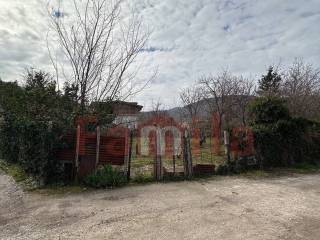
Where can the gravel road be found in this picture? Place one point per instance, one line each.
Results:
(221, 208)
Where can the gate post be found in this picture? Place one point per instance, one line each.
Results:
(226, 136)
(130, 155)
(78, 135)
(187, 157)
(158, 173)
(98, 147)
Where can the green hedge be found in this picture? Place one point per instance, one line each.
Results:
(281, 140)
(32, 144)
(33, 119)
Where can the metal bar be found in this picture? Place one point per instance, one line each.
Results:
(77, 152)
(130, 156)
(98, 146)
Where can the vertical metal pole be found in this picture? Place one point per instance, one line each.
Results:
(130, 156)
(190, 156)
(211, 148)
(98, 147)
(158, 163)
(78, 135)
(174, 164)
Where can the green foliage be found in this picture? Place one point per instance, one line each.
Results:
(312, 143)
(106, 176)
(17, 172)
(11, 95)
(267, 110)
(37, 144)
(34, 118)
(269, 84)
(103, 111)
(280, 140)
(307, 167)
(142, 177)
(14, 170)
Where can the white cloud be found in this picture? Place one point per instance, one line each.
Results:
(189, 38)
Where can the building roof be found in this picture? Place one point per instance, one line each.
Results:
(125, 108)
(133, 104)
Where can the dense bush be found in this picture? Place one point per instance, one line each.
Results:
(279, 139)
(268, 110)
(312, 144)
(106, 176)
(34, 118)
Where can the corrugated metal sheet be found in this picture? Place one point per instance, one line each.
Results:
(112, 151)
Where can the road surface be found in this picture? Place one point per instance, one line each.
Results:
(221, 208)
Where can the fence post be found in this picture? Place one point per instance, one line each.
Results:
(227, 144)
(174, 164)
(78, 135)
(98, 146)
(130, 155)
(158, 163)
(187, 157)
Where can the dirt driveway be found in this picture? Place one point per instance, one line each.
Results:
(224, 208)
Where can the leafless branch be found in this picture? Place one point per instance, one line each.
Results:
(191, 98)
(301, 89)
(102, 50)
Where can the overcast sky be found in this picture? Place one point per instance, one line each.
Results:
(189, 38)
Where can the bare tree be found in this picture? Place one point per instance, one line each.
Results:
(101, 49)
(301, 89)
(157, 108)
(219, 91)
(244, 93)
(191, 98)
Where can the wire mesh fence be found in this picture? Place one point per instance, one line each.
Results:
(162, 138)
(156, 148)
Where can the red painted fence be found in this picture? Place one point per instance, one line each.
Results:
(113, 147)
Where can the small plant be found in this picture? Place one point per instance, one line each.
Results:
(308, 167)
(141, 177)
(17, 172)
(14, 170)
(106, 176)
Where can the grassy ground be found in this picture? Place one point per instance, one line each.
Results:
(14, 170)
(206, 156)
(142, 168)
(29, 184)
(144, 164)
(301, 168)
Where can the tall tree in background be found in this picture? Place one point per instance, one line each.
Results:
(219, 91)
(101, 49)
(157, 109)
(301, 90)
(269, 84)
(244, 94)
(191, 98)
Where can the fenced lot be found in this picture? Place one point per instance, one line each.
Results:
(157, 147)
(161, 147)
(228, 208)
